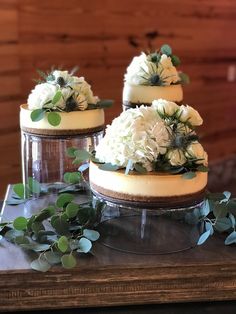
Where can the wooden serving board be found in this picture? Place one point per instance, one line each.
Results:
(108, 277)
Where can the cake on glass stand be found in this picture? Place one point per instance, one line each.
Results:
(61, 113)
(151, 171)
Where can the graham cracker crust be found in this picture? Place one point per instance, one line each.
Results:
(148, 202)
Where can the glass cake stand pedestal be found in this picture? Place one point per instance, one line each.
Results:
(137, 230)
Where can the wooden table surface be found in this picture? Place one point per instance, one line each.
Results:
(112, 278)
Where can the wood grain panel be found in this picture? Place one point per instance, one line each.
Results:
(103, 37)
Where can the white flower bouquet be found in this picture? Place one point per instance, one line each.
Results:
(161, 137)
(61, 91)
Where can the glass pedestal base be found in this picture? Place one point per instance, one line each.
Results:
(142, 231)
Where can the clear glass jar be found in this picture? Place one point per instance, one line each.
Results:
(45, 159)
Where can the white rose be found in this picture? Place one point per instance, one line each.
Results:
(40, 95)
(188, 114)
(138, 135)
(81, 102)
(165, 107)
(176, 157)
(195, 150)
(84, 88)
(165, 61)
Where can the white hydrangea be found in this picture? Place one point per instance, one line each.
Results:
(138, 135)
(40, 95)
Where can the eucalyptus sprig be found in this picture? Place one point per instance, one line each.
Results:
(58, 233)
(217, 214)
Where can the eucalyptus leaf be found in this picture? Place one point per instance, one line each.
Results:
(72, 210)
(92, 235)
(21, 240)
(231, 238)
(19, 189)
(223, 224)
(63, 244)
(105, 103)
(205, 208)
(227, 194)
(175, 60)
(71, 152)
(202, 168)
(37, 226)
(140, 168)
(166, 49)
(189, 175)
(72, 177)
(208, 226)
(64, 199)
(40, 265)
(220, 210)
(52, 257)
(85, 245)
(68, 261)
(82, 154)
(184, 78)
(60, 225)
(108, 167)
(34, 185)
(232, 219)
(37, 115)
(11, 234)
(128, 167)
(204, 237)
(57, 97)
(20, 223)
(74, 244)
(231, 206)
(54, 118)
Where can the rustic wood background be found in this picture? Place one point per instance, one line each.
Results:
(102, 37)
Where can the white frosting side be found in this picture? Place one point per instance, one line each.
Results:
(74, 120)
(152, 185)
(146, 94)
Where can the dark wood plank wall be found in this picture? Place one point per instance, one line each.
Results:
(102, 36)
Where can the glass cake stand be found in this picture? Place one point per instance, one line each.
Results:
(137, 230)
(45, 159)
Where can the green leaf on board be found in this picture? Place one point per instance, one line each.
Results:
(68, 261)
(85, 245)
(82, 155)
(20, 223)
(72, 177)
(220, 210)
(63, 199)
(34, 185)
(204, 237)
(72, 210)
(37, 115)
(40, 264)
(19, 189)
(54, 118)
(52, 257)
(231, 238)
(92, 235)
(223, 224)
(63, 244)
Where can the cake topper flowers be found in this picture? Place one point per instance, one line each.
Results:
(157, 138)
(156, 69)
(61, 91)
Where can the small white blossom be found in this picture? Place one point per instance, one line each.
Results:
(188, 114)
(195, 150)
(176, 157)
(138, 135)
